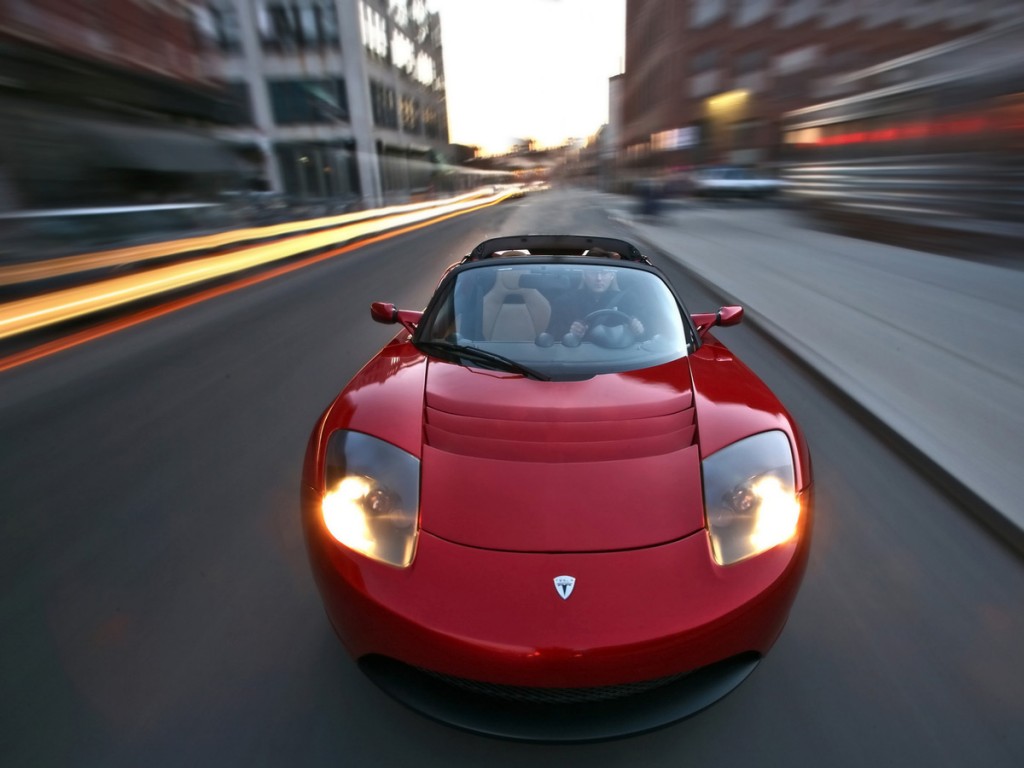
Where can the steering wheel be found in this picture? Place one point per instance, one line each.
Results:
(615, 333)
(613, 314)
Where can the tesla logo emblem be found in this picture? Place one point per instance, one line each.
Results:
(564, 585)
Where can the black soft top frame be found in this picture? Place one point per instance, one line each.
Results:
(556, 245)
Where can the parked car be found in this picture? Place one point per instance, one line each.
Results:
(734, 181)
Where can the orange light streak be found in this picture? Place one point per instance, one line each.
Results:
(387, 231)
(66, 265)
(36, 312)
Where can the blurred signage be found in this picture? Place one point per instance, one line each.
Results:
(677, 138)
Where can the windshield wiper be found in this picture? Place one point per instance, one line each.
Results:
(481, 357)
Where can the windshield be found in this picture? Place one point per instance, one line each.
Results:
(563, 320)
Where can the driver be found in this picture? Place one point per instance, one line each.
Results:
(598, 290)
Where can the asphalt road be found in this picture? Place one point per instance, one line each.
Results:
(156, 606)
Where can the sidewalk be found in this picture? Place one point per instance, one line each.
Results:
(932, 346)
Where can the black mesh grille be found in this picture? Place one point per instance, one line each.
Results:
(552, 695)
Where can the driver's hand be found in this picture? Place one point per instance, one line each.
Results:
(577, 328)
(636, 327)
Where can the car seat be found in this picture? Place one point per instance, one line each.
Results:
(511, 313)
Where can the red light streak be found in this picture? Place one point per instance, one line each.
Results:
(958, 125)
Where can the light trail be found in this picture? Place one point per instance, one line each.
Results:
(387, 228)
(13, 274)
(35, 312)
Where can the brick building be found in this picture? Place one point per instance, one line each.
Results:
(106, 103)
(707, 80)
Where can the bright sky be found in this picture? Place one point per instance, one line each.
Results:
(529, 69)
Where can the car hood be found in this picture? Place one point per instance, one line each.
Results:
(510, 463)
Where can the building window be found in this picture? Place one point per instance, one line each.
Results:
(412, 121)
(384, 104)
(399, 11)
(426, 70)
(239, 103)
(706, 12)
(375, 31)
(751, 61)
(319, 171)
(308, 101)
(799, 11)
(298, 25)
(217, 27)
(705, 60)
(403, 53)
(797, 60)
(704, 84)
(418, 11)
(433, 128)
(752, 11)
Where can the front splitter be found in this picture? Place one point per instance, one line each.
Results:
(558, 723)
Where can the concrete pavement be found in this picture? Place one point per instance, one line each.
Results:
(933, 346)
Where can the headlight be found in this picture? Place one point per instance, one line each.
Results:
(372, 497)
(749, 497)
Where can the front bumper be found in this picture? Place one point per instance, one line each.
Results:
(461, 624)
(496, 618)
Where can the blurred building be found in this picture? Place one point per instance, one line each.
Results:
(607, 141)
(927, 148)
(106, 104)
(343, 100)
(707, 81)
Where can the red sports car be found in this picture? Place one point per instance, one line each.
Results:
(555, 506)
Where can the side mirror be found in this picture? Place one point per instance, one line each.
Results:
(385, 312)
(730, 316)
(724, 316)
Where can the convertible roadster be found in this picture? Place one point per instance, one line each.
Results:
(555, 506)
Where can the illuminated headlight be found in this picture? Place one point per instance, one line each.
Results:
(371, 498)
(749, 497)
